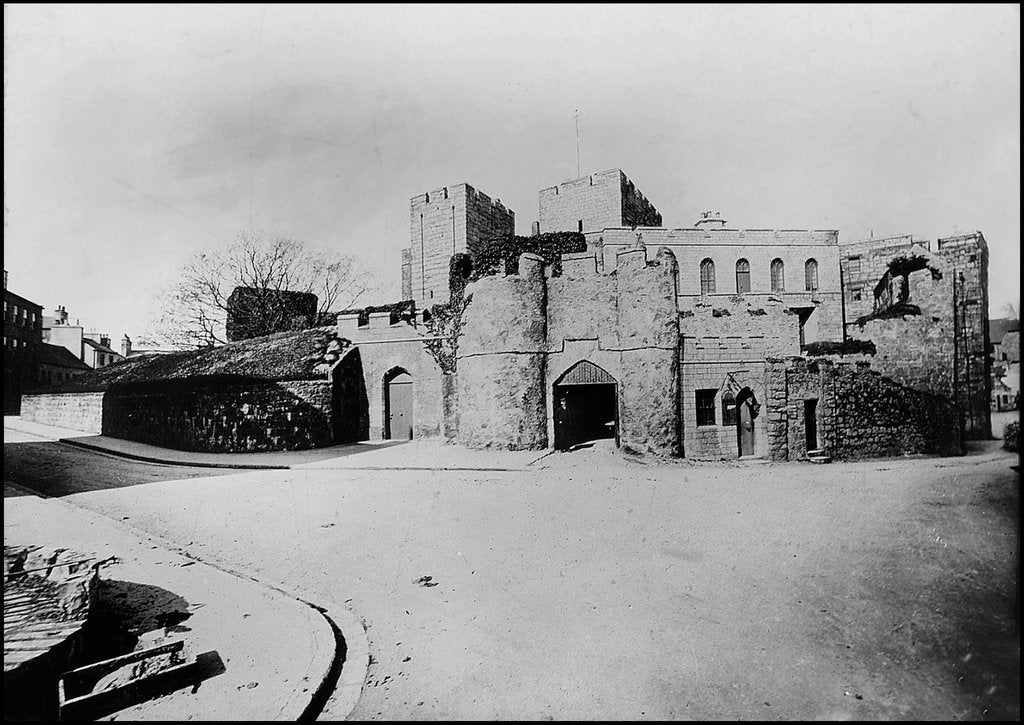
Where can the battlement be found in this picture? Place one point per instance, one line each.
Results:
(381, 325)
(708, 235)
(582, 181)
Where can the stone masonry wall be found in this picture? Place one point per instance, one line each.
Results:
(77, 411)
(218, 417)
(917, 350)
(860, 413)
(501, 364)
(967, 254)
(725, 247)
(724, 343)
(648, 331)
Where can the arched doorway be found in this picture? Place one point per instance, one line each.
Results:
(585, 400)
(748, 407)
(398, 405)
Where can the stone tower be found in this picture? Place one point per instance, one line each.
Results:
(441, 223)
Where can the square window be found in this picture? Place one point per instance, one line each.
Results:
(706, 406)
(856, 294)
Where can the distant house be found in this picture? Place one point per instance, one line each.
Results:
(92, 348)
(23, 324)
(1005, 353)
(57, 365)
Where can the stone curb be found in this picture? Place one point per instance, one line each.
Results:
(350, 660)
(270, 467)
(167, 461)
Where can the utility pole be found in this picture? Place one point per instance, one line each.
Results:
(577, 117)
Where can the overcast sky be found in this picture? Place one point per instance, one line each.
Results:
(136, 135)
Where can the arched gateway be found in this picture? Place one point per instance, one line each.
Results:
(585, 400)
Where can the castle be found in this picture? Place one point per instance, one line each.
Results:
(707, 342)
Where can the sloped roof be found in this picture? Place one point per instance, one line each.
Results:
(997, 328)
(283, 356)
(99, 347)
(59, 357)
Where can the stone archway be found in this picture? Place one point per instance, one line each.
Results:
(585, 399)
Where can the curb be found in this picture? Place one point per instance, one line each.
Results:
(168, 462)
(351, 658)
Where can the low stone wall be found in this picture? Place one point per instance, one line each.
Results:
(77, 411)
(223, 417)
(860, 413)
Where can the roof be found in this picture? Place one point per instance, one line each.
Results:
(59, 357)
(283, 356)
(997, 328)
(22, 301)
(98, 347)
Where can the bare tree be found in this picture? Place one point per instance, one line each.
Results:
(272, 272)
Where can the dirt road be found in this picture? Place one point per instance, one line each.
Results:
(601, 589)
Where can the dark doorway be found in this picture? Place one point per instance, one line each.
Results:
(585, 406)
(811, 425)
(398, 405)
(745, 426)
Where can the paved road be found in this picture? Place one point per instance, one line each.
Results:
(587, 590)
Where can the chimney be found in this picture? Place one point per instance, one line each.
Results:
(105, 340)
(61, 315)
(712, 220)
(535, 229)
(126, 346)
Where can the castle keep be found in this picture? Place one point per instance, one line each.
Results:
(707, 341)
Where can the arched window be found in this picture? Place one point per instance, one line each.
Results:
(778, 276)
(811, 275)
(707, 277)
(742, 276)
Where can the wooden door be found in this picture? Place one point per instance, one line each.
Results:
(746, 427)
(398, 407)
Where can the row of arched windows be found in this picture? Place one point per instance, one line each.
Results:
(778, 276)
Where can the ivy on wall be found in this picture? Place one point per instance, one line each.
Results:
(501, 254)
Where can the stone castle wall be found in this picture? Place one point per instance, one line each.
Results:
(501, 367)
(385, 348)
(968, 256)
(860, 413)
(956, 317)
(523, 332)
(725, 247)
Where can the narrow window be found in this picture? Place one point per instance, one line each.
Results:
(707, 277)
(778, 276)
(729, 416)
(742, 276)
(853, 266)
(580, 225)
(811, 275)
(706, 406)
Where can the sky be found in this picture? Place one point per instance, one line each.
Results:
(135, 136)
